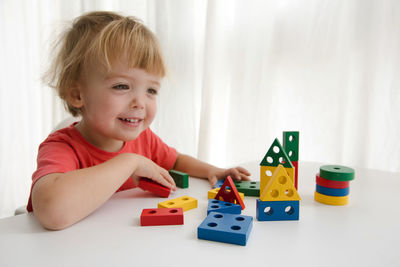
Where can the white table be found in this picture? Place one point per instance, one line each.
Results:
(366, 232)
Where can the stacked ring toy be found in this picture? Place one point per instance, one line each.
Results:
(333, 184)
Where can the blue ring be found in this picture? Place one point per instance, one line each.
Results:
(335, 192)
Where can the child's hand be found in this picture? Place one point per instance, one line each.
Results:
(148, 169)
(237, 173)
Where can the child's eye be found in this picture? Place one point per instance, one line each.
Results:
(152, 91)
(121, 87)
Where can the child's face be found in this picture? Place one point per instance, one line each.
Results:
(117, 106)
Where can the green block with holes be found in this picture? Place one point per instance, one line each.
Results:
(181, 179)
(248, 188)
(276, 155)
(291, 145)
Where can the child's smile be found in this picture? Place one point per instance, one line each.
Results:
(131, 122)
(117, 106)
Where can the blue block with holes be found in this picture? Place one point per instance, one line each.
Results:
(225, 227)
(278, 210)
(219, 183)
(223, 207)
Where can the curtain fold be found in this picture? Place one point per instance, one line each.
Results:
(240, 73)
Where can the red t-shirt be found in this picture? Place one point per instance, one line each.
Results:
(67, 150)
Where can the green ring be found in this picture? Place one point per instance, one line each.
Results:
(336, 173)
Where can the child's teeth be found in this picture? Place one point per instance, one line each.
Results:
(131, 120)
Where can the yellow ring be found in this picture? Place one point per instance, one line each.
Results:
(330, 200)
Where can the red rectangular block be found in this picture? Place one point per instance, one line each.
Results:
(163, 216)
(149, 185)
(296, 173)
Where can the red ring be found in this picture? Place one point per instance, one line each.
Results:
(330, 183)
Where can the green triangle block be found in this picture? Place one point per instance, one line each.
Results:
(276, 155)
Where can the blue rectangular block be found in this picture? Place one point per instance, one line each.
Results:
(277, 210)
(227, 228)
(223, 207)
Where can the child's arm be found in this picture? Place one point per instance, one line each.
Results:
(198, 168)
(62, 199)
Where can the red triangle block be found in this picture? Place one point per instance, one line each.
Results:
(229, 193)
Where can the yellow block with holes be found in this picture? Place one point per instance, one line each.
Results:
(266, 173)
(280, 187)
(185, 202)
(213, 193)
(331, 200)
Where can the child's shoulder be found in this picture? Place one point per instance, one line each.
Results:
(66, 134)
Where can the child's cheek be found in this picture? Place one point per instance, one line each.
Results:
(153, 109)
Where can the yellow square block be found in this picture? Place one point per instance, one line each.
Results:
(185, 202)
(213, 193)
(266, 173)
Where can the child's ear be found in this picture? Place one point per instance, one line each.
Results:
(74, 96)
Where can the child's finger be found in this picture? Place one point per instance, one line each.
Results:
(168, 177)
(136, 179)
(236, 174)
(213, 180)
(243, 170)
(245, 177)
(161, 180)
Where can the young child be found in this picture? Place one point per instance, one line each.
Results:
(108, 71)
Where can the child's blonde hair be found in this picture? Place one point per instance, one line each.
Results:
(97, 39)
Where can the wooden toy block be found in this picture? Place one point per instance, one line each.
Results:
(161, 217)
(213, 192)
(181, 179)
(219, 183)
(229, 193)
(296, 174)
(266, 173)
(223, 207)
(227, 228)
(291, 145)
(248, 188)
(336, 173)
(185, 202)
(331, 183)
(277, 210)
(276, 155)
(335, 192)
(280, 187)
(149, 185)
(330, 200)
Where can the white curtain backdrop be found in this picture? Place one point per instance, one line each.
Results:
(240, 73)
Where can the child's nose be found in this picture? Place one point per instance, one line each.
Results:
(137, 101)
